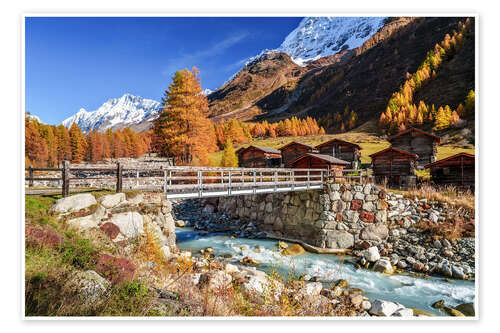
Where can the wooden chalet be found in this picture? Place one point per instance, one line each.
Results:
(343, 150)
(258, 157)
(290, 152)
(319, 161)
(417, 142)
(457, 170)
(394, 167)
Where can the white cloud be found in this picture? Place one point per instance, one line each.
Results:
(196, 58)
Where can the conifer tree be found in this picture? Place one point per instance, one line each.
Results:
(77, 143)
(229, 158)
(470, 102)
(183, 130)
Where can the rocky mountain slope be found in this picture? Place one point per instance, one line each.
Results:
(362, 79)
(127, 111)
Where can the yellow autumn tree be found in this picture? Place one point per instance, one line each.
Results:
(229, 158)
(183, 130)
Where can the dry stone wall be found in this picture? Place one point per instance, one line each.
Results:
(336, 217)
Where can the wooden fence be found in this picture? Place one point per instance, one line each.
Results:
(192, 182)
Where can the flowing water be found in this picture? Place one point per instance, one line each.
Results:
(411, 291)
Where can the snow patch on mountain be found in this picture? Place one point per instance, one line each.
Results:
(123, 111)
(317, 37)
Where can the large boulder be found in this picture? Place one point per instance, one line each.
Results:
(339, 239)
(74, 203)
(112, 200)
(467, 309)
(376, 232)
(89, 285)
(371, 254)
(88, 222)
(131, 224)
(293, 250)
(383, 308)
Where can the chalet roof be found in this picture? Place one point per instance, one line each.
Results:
(327, 158)
(297, 143)
(437, 163)
(394, 149)
(339, 141)
(413, 129)
(264, 149)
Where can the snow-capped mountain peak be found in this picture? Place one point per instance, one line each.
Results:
(317, 37)
(116, 112)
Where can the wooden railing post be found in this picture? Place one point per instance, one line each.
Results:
(119, 177)
(165, 184)
(30, 176)
(275, 181)
(293, 179)
(230, 182)
(308, 179)
(137, 179)
(200, 183)
(65, 178)
(254, 182)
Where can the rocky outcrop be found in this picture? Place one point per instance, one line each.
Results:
(43, 236)
(123, 220)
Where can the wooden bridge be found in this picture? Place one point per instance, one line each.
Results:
(187, 181)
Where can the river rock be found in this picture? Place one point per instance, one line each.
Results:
(339, 239)
(87, 222)
(216, 281)
(230, 269)
(452, 312)
(74, 203)
(356, 300)
(371, 254)
(112, 200)
(366, 305)
(467, 309)
(403, 312)
(293, 250)
(383, 266)
(438, 304)
(376, 232)
(383, 308)
(89, 285)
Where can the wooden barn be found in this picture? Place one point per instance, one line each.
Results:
(417, 142)
(394, 167)
(457, 170)
(343, 150)
(319, 161)
(258, 157)
(290, 152)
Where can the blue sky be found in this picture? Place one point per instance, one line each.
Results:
(74, 63)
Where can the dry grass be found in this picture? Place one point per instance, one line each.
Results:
(448, 194)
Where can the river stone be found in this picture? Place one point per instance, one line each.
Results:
(403, 312)
(383, 266)
(215, 281)
(74, 203)
(112, 200)
(467, 309)
(339, 239)
(376, 232)
(131, 224)
(383, 308)
(371, 254)
(89, 285)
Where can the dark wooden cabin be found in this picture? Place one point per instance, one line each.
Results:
(457, 170)
(258, 157)
(394, 167)
(291, 151)
(319, 161)
(343, 150)
(417, 142)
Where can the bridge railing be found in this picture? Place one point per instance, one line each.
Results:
(188, 181)
(192, 182)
